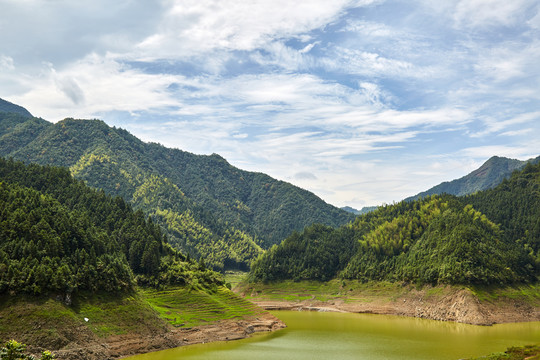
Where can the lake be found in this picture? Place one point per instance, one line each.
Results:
(320, 335)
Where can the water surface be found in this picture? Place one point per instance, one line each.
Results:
(315, 335)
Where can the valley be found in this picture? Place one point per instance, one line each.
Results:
(112, 247)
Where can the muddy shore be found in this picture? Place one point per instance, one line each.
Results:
(122, 346)
(452, 305)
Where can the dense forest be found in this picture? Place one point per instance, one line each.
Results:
(178, 203)
(205, 206)
(8, 107)
(491, 237)
(58, 235)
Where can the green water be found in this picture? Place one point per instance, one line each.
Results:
(314, 335)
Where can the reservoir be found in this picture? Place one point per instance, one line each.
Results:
(320, 335)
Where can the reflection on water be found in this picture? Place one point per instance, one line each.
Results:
(313, 335)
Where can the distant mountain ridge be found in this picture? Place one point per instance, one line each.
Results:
(6, 106)
(207, 207)
(487, 176)
(364, 210)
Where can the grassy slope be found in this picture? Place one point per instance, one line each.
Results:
(48, 323)
(183, 308)
(348, 290)
(530, 352)
(351, 291)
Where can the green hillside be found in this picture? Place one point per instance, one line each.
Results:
(6, 106)
(60, 236)
(206, 206)
(487, 238)
(79, 267)
(487, 176)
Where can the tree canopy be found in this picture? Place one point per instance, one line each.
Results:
(491, 237)
(58, 235)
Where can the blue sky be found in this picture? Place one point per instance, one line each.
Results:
(362, 102)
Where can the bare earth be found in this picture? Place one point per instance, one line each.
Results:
(132, 344)
(457, 305)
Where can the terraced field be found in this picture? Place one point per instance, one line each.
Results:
(186, 308)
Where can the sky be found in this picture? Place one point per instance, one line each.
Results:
(362, 102)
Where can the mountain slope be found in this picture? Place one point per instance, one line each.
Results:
(58, 235)
(515, 205)
(206, 206)
(70, 257)
(6, 106)
(490, 237)
(489, 175)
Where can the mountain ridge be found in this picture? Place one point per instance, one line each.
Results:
(490, 174)
(10, 107)
(491, 237)
(206, 206)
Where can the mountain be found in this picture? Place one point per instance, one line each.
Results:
(6, 106)
(58, 235)
(351, 210)
(364, 210)
(207, 207)
(489, 175)
(488, 238)
(83, 274)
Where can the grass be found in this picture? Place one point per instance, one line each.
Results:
(235, 277)
(109, 314)
(49, 323)
(41, 320)
(351, 291)
(346, 290)
(529, 293)
(530, 352)
(186, 308)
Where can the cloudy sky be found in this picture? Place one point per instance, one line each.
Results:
(362, 102)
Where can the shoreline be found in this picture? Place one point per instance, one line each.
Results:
(444, 303)
(127, 345)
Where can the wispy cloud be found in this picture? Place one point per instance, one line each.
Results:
(362, 102)
(194, 27)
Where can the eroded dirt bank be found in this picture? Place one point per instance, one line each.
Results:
(447, 304)
(121, 346)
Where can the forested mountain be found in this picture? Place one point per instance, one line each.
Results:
(487, 176)
(207, 207)
(6, 106)
(58, 235)
(491, 237)
(515, 205)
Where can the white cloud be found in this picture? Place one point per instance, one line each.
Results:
(481, 13)
(515, 152)
(6, 63)
(534, 22)
(92, 85)
(365, 63)
(495, 125)
(194, 27)
(510, 61)
(292, 88)
(370, 29)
